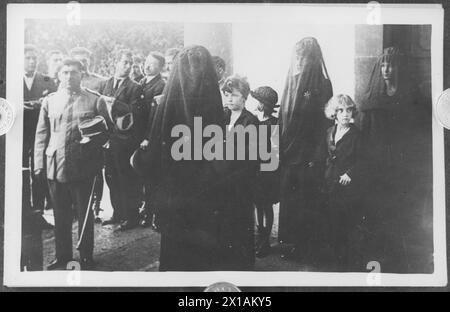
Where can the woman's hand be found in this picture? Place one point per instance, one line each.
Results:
(344, 179)
(144, 145)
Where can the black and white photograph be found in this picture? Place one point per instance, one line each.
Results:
(187, 144)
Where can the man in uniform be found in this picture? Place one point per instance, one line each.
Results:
(70, 166)
(91, 81)
(122, 181)
(153, 85)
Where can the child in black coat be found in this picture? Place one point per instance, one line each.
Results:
(341, 158)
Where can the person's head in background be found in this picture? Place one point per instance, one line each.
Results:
(220, 67)
(54, 62)
(154, 64)
(235, 92)
(342, 109)
(82, 55)
(70, 74)
(267, 100)
(30, 59)
(136, 68)
(169, 57)
(123, 64)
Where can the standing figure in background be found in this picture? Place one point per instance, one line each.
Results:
(54, 62)
(302, 126)
(220, 69)
(267, 182)
(91, 81)
(136, 70)
(122, 181)
(238, 218)
(395, 122)
(34, 188)
(153, 85)
(169, 58)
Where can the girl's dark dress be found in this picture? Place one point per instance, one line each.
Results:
(267, 186)
(342, 209)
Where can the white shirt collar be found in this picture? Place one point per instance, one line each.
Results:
(29, 80)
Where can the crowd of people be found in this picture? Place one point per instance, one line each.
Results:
(338, 160)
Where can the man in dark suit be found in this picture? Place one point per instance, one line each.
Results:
(35, 87)
(69, 164)
(54, 61)
(122, 181)
(153, 85)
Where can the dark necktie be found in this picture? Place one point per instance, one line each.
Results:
(116, 85)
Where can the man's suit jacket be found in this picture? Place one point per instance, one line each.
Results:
(129, 93)
(41, 87)
(57, 146)
(151, 89)
(92, 81)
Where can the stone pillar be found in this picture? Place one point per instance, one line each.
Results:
(368, 46)
(216, 37)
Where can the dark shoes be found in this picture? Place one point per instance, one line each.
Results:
(127, 225)
(57, 265)
(263, 249)
(87, 264)
(263, 242)
(110, 221)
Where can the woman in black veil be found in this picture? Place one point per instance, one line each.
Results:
(395, 121)
(302, 126)
(186, 193)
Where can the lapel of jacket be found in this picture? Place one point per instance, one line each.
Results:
(108, 91)
(122, 87)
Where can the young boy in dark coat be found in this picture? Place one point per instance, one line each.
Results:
(340, 153)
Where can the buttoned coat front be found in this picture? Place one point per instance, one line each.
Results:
(58, 138)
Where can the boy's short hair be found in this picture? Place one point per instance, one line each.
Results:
(137, 59)
(30, 48)
(159, 57)
(52, 52)
(340, 100)
(237, 82)
(219, 62)
(122, 52)
(72, 62)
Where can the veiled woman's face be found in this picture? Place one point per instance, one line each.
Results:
(388, 70)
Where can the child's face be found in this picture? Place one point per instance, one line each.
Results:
(234, 100)
(344, 115)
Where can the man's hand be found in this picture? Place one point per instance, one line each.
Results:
(39, 173)
(344, 179)
(144, 144)
(109, 100)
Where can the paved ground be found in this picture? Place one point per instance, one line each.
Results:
(138, 249)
